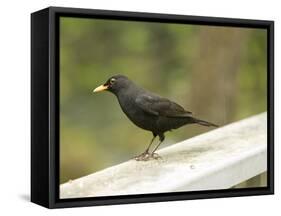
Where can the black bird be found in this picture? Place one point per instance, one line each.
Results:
(149, 111)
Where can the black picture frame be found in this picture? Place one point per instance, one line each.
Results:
(45, 106)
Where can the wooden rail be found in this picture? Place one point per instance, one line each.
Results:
(221, 158)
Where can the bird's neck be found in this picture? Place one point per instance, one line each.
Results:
(128, 93)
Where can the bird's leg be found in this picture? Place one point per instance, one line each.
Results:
(145, 155)
(148, 147)
(153, 154)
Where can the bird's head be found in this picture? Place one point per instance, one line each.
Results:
(114, 84)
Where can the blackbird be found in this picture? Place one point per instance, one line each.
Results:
(149, 111)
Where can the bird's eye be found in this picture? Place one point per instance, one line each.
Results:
(112, 80)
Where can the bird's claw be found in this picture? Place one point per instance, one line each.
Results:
(147, 156)
(156, 156)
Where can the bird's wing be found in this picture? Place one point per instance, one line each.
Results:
(159, 106)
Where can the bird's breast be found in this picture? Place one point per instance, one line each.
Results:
(136, 114)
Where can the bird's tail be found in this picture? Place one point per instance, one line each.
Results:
(204, 123)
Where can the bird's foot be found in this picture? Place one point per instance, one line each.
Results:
(147, 156)
(155, 156)
(143, 157)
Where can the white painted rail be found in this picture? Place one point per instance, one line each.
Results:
(219, 159)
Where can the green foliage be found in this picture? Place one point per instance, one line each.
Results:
(160, 57)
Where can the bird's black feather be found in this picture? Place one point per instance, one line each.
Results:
(159, 106)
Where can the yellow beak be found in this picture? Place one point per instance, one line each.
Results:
(100, 88)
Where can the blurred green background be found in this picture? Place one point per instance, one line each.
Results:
(218, 73)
